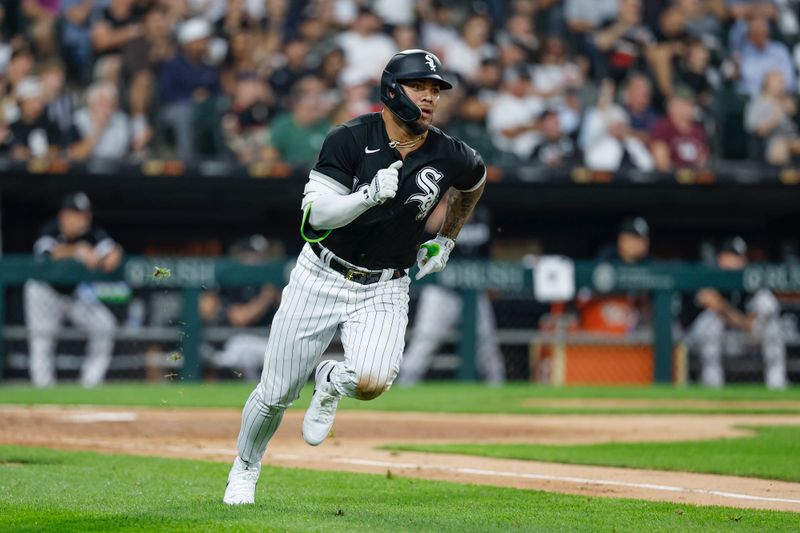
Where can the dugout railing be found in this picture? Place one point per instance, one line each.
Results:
(191, 276)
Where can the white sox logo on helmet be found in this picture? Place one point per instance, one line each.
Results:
(427, 179)
(429, 61)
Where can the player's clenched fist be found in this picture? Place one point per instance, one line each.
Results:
(384, 185)
(433, 255)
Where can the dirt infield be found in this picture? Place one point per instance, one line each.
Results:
(210, 434)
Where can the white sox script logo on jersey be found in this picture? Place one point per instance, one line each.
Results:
(427, 179)
(429, 61)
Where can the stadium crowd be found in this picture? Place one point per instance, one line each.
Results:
(609, 84)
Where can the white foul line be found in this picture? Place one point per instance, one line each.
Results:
(546, 477)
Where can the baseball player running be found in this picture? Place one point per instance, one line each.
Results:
(377, 179)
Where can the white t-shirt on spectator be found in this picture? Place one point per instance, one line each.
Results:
(603, 151)
(464, 60)
(115, 141)
(367, 54)
(508, 111)
(548, 78)
(395, 12)
(593, 12)
(438, 38)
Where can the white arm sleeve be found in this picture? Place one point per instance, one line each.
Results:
(331, 204)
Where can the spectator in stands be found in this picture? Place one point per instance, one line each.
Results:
(357, 97)
(297, 137)
(512, 119)
(744, 11)
(625, 43)
(759, 55)
(284, 78)
(619, 314)
(250, 306)
(694, 70)
(584, 17)
(405, 37)
(679, 140)
(60, 106)
(555, 71)
(365, 47)
(439, 20)
(465, 54)
(607, 139)
(770, 117)
(245, 124)
(102, 130)
(71, 236)
(472, 110)
(33, 135)
(40, 19)
(185, 82)
(76, 41)
(20, 66)
(331, 67)
(555, 148)
(142, 58)
(117, 24)
(727, 323)
(637, 101)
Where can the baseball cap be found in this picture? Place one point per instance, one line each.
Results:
(194, 30)
(735, 245)
(635, 226)
(77, 201)
(29, 87)
(253, 244)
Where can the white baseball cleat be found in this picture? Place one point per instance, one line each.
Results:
(320, 414)
(241, 487)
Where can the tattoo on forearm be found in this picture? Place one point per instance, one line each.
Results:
(459, 208)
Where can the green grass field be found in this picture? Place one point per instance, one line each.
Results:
(773, 453)
(43, 489)
(436, 397)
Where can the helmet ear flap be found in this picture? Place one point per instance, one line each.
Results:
(399, 104)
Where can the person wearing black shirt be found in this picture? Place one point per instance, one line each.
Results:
(439, 309)
(756, 319)
(71, 236)
(33, 134)
(376, 181)
(248, 306)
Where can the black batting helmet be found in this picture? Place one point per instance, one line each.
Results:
(409, 65)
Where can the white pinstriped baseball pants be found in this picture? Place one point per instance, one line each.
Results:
(45, 309)
(316, 303)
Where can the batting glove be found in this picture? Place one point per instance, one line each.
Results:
(384, 185)
(433, 254)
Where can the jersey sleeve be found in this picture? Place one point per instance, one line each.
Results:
(473, 174)
(47, 240)
(103, 243)
(337, 159)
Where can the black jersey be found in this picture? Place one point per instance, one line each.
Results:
(388, 235)
(51, 236)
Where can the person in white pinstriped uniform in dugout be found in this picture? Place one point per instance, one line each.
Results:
(377, 179)
(439, 309)
(72, 235)
(756, 320)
